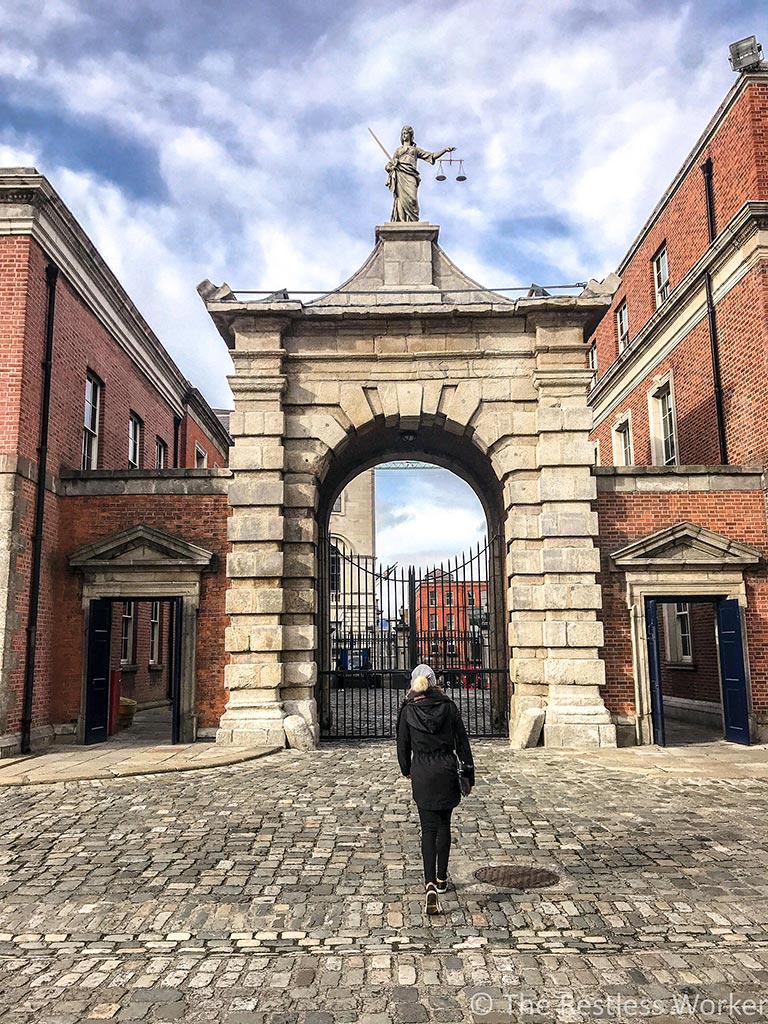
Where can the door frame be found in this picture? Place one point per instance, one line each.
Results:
(681, 586)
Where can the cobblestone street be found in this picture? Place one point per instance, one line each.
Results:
(288, 889)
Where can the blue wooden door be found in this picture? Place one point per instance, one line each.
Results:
(733, 672)
(654, 668)
(97, 672)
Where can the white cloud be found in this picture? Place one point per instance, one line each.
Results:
(572, 119)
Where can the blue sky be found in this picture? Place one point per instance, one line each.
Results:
(229, 141)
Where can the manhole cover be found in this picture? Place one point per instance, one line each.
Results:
(511, 876)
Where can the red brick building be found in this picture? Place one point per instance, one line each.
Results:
(679, 395)
(87, 390)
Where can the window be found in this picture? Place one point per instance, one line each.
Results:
(661, 275)
(677, 633)
(432, 598)
(471, 598)
(128, 631)
(449, 598)
(662, 421)
(432, 621)
(337, 506)
(622, 442)
(90, 453)
(134, 441)
(334, 570)
(449, 620)
(622, 325)
(201, 458)
(592, 356)
(161, 454)
(154, 633)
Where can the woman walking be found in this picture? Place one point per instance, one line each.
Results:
(430, 737)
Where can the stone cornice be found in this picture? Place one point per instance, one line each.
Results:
(676, 479)
(750, 219)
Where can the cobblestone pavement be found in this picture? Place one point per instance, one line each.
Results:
(287, 891)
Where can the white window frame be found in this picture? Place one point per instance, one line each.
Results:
(135, 430)
(592, 357)
(161, 454)
(128, 633)
(622, 325)
(155, 631)
(90, 449)
(201, 455)
(338, 506)
(622, 441)
(664, 447)
(660, 264)
(677, 627)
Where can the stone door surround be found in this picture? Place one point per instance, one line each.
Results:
(142, 563)
(412, 356)
(682, 560)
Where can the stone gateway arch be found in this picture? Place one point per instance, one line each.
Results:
(411, 357)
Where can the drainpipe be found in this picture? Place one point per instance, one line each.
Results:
(706, 170)
(51, 277)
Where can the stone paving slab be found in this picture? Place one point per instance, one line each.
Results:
(287, 891)
(79, 764)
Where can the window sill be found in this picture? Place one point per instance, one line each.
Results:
(155, 666)
(129, 668)
(681, 666)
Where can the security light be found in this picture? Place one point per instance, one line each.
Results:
(746, 54)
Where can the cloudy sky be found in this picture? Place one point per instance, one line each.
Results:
(229, 140)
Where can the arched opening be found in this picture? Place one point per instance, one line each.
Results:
(382, 612)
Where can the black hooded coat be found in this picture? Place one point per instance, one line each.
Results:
(429, 730)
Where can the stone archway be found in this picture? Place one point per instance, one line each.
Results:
(410, 352)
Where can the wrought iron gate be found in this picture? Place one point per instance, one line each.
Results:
(379, 622)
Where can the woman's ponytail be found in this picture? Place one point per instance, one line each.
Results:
(420, 684)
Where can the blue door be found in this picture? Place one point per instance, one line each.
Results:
(654, 668)
(97, 672)
(732, 672)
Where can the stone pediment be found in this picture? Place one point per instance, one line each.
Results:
(408, 266)
(685, 545)
(141, 547)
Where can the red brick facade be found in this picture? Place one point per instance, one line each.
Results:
(97, 331)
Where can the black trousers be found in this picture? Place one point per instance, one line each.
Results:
(435, 842)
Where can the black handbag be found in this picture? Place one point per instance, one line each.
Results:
(465, 786)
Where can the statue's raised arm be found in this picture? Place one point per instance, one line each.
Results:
(403, 178)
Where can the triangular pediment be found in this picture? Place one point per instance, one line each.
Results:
(142, 547)
(685, 545)
(408, 267)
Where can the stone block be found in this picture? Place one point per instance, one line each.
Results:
(256, 492)
(298, 733)
(585, 634)
(565, 671)
(300, 673)
(570, 560)
(251, 601)
(267, 638)
(299, 638)
(255, 564)
(527, 728)
(258, 526)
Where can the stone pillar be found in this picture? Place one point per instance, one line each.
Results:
(554, 598)
(255, 600)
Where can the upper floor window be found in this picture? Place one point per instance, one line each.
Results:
(622, 325)
(161, 454)
(432, 620)
(134, 441)
(432, 598)
(449, 598)
(622, 442)
(662, 423)
(661, 275)
(449, 620)
(592, 357)
(90, 453)
(337, 506)
(201, 457)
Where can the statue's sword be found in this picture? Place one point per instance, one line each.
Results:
(386, 154)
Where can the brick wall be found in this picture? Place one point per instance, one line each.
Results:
(740, 172)
(192, 433)
(742, 323)
(701, 679)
